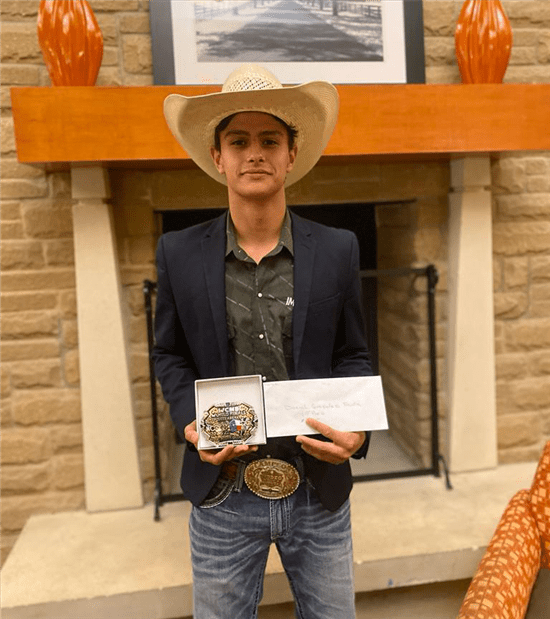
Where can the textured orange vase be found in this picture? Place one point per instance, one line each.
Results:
(71, 42)
(483, 41)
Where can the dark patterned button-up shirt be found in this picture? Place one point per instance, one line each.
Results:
(259, 301)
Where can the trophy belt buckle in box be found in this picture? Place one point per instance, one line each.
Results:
(230, 411)
(229, 423)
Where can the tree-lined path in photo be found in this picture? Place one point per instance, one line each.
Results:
(276, 31)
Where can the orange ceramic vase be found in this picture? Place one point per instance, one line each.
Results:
(483, 41)
(71, 42)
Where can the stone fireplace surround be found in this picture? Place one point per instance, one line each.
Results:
(406, 236)
(464, 253)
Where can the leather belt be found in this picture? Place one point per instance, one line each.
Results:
(269, 478)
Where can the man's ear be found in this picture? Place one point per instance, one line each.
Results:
(292, 158)
(216, 158)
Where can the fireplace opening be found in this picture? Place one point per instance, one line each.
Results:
(396, 304)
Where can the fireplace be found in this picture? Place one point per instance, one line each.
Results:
(391, 143)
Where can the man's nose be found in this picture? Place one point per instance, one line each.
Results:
(255, 153)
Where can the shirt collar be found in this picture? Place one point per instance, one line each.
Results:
(285, 239)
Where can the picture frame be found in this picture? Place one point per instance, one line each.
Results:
(200, 42)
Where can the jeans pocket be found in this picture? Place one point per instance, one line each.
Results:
(218, 493)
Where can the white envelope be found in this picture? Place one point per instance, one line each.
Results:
(348, 404)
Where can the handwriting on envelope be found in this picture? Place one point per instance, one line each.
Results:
(347, 404)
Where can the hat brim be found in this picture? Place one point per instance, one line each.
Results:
(311, 108)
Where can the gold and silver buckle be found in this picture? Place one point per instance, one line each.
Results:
(271, 478)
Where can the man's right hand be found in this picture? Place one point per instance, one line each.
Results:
(216, 456)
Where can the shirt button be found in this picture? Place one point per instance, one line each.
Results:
(261, 336)
(260, 295)
(264, 378)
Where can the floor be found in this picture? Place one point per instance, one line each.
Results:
(384, 456)
(433, 601)
(413, 540)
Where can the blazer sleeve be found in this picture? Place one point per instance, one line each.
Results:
(351, 356)
(174, 366)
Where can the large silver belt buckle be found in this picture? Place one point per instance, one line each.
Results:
(229, 423)
(271, 478)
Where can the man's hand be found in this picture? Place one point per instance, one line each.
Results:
(216, 456)
(342, 446)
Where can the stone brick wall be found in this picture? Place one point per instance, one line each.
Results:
(413, 235)
(41, 432)
(530, 58)
(521, 234)
(42, 460)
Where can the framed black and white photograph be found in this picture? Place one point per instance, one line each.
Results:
(342, 41)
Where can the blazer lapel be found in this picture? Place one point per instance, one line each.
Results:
(213, 256)
(304, 258)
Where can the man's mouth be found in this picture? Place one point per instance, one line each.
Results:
(255, 171)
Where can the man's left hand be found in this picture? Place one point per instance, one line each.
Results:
(342, 446)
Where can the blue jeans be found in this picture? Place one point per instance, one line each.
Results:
(230, 545)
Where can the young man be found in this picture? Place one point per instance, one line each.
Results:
(261, 291)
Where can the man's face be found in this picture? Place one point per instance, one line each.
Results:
(254, 155)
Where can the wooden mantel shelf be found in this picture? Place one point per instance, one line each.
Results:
(58, 126)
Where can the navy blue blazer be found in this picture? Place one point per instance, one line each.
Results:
(191, 336)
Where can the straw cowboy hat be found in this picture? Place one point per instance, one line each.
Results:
(311, 108)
